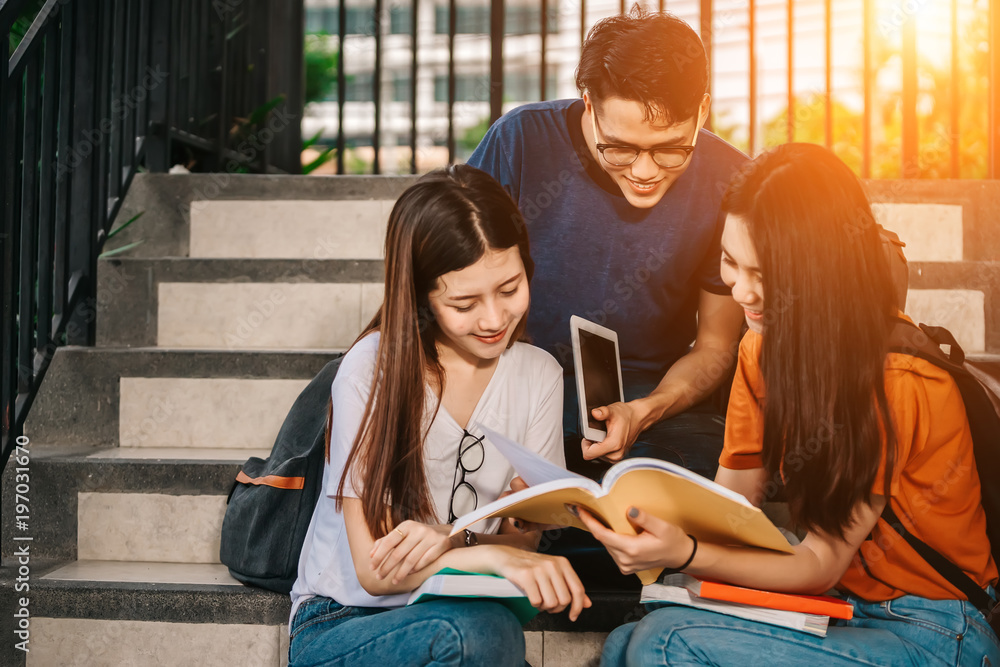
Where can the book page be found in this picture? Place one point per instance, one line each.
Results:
(528, 465)
(626, 465)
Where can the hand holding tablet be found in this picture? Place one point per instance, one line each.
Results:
(598, 373)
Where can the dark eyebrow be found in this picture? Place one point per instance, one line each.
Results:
(466, 297)
(672, 143)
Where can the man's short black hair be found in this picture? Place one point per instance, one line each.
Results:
(654, 59)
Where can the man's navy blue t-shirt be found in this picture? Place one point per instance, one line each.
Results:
(637, 271)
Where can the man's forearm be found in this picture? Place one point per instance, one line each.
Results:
(688, 382)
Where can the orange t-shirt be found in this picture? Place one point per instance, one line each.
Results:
(934, 480)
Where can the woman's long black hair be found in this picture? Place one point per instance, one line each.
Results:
(828, 309)
(445, 222)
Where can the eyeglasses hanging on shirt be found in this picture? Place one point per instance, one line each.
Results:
(470, 459)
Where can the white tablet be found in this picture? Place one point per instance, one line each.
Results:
(598, 372)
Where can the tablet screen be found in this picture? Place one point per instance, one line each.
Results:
(600, 373)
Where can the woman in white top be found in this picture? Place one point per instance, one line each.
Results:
(406, 453)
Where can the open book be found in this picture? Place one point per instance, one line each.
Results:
(807, 613)
(710, 512)
(450, 583)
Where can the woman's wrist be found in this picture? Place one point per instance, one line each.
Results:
(688, 555)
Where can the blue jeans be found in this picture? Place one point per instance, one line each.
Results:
(466, 632)
(909, 631)
(692, 439)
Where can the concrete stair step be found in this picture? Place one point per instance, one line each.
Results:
(246, 316)
(106, 505)
(167, 202)
(128, 304)
(161, 397)
(112, 613)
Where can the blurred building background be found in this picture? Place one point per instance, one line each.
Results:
(753, 84)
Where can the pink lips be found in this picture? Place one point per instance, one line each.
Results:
(753, 315)
(492, 339)
(642, 189)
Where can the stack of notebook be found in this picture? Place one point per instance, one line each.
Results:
(806, 613)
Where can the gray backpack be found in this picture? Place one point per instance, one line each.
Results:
(272, 499)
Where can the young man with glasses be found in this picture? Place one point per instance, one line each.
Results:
(621, 191)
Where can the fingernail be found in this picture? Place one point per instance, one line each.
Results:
(573, 510)
(633, 512)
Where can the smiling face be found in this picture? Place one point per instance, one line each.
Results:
(620, 121)
(741, 271)
(478, 308)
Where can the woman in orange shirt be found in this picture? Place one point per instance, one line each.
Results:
(821, 408)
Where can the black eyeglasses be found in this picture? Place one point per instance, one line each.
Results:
(619, 155)
(470, 459)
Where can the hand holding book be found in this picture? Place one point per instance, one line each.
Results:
(657, 544)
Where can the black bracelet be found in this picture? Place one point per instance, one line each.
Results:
(691, 557)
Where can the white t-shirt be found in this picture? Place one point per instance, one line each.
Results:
(523, 401)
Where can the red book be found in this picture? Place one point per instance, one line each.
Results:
(822, 605)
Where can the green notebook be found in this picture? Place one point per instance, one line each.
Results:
(451, 583)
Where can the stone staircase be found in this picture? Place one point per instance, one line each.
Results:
(242, 290)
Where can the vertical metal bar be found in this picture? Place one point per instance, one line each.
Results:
(663, 6)
(377, 89)
(221, 23)
(790, 23)
(955, 88)
(103, 85)
(911, 157)
(994, 122)
(341, 81)
(496, 59)
(67, 157)
(867, 75)
(415, 14)
(621, 6)
(9, 106)
(129, 90)
(85, 66)
(752, 63)
(583, 23)
(195, 65)
(143, 43)
(160, 101)
(28, 136)
(452, 27)
(707, 38)
(205, 91)
(46, 185)
(544, 37)
(828, 60)
(117, 60)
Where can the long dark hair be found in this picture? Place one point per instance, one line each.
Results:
(828, 307)
(445, 222)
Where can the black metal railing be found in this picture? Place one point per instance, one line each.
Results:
(884, 26)
(94, 91)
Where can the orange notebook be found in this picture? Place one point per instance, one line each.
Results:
(823, 605)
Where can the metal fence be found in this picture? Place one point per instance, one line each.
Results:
(93, 90)
(709, 16)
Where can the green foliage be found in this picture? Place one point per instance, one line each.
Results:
(327, 154)
(473, 135)
(321, 66)
(22, 23)
(934, 114)
(118, 230)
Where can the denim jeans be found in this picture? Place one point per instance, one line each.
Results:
(692, 439)
(909, 631)
(466, 632)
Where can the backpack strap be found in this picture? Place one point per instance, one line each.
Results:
(954, 574)
(925, 342)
